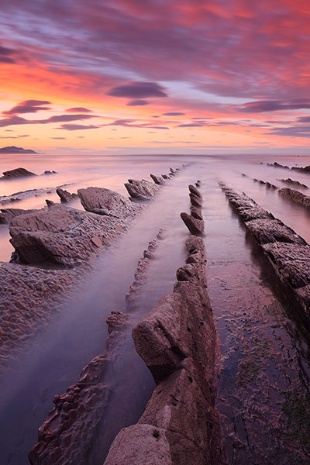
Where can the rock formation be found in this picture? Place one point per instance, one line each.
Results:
(288, 253)
(294, 183)
(295, 196)
(158, 179)
(16, 173)
(7, 214)
(65, 196)
(194, 222)
(141, 190)
(178, 342)
(62, 236)
(106, 202)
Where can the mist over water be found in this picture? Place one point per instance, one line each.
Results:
(236, 282)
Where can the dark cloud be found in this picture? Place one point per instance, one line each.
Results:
(138, 90)
(7, 55)
(78, 110)
(173, 113)
(191, 125)
(275, 105)
(292, 131)
(304, 119)
(28, 106)
(77, 127)
(137, 102)
(17, 120)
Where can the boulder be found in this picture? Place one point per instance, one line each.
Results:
(106, 202)
(61, 235)
(16, 173)
(7, 214)
(141, 190)
(65, 196)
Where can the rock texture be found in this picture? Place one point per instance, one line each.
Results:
(16, 173)
(106, 202)
(294, 183)
(194, 222)
(178, 342)
(7, 214)
(141, 190)
(288, 253)
(295, 196)
(158, 179)
(64, 236)
(65, 196)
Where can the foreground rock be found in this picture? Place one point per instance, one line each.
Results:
(62, 236)
(177, 341)
(288, 253)
(16, 173)
(7, 214)
(295, 196)
(65, 196)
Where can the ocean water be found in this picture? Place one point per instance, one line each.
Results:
(251, 314)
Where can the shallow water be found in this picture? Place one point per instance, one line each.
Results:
(262, 352)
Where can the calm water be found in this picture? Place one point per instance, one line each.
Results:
(251, 316)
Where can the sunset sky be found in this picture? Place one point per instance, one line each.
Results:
(155, 76)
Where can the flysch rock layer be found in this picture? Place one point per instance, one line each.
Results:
(287, 251)
(178, 342)
(62, 236)
(194, 221)
(141, 190)
(106, 202)
(70, 426)
(57, 237)
(16, 173)
(295, 196)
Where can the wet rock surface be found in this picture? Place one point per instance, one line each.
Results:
(288, 253)
(194, 221)
(106, 202)
(295, 196)
(178, 342)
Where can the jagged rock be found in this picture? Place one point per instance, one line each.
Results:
(106, 202)
(158, 179)
(116, 321)
(196, 200)
(49, 203)
(194, 191)
(141, 190)
(296, 196)
(61, 235)
(271, 230)
(8, 213)
(294, 183)
(278, 165)
(65, 196)
(16, 173)
(305, 169)
(48, 172)
(194, 225)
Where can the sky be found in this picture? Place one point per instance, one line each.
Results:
(155, 76)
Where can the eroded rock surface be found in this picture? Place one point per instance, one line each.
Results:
(296, 196)
(141, 190)
(194, 221)
(65, 196)
(287, 251)
(106, 202)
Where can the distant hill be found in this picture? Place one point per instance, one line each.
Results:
(13, 149)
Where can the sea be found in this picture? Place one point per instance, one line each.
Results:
(264, 355)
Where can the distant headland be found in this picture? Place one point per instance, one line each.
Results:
(13, 149)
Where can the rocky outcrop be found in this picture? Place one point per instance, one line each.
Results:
(141, 190)
(4, 199)
(158, 179)
(178, 342)
(295, 196)
(305, 169)
(294, 183)
(106, 202)
(62, 236)
(16, 173)
(194, 222)
(268, 184)
(65, 196)
(288, 253)
(7, 214)
(66, 434)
